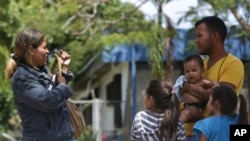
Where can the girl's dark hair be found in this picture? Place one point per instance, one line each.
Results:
(195, 57)
(167, 101)
(228, 102)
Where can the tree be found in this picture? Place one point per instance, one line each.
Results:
(82, 28)
(6, 97)
(239, 8)
(164, 43)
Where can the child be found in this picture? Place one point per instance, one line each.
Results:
(192, 107)
(222, 105)
(160, 121)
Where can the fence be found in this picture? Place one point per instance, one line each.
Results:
(115, 134)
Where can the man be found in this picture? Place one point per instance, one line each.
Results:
(221, 67)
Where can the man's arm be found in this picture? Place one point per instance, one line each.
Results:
(196, 90)
(201, 91)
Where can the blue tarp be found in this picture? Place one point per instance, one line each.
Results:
(122, 53)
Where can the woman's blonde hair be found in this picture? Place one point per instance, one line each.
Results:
(24, 40)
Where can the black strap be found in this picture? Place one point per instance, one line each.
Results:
(199, 105)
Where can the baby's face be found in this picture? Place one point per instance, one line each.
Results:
(193, 71)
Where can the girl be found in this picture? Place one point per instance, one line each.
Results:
(160, 121)
(222, 105)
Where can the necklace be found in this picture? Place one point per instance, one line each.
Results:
(220, 67)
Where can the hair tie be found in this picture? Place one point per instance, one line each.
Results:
(13, 56)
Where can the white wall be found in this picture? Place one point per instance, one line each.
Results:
(107, 111)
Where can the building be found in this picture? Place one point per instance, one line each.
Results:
(118, 76)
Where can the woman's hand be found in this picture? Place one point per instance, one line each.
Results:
(66, 58)
(60, 78)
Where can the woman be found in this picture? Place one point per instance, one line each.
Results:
(42, 110)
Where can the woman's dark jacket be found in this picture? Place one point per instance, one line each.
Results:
(43, 112)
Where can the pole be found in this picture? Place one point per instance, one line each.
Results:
(133, 78)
